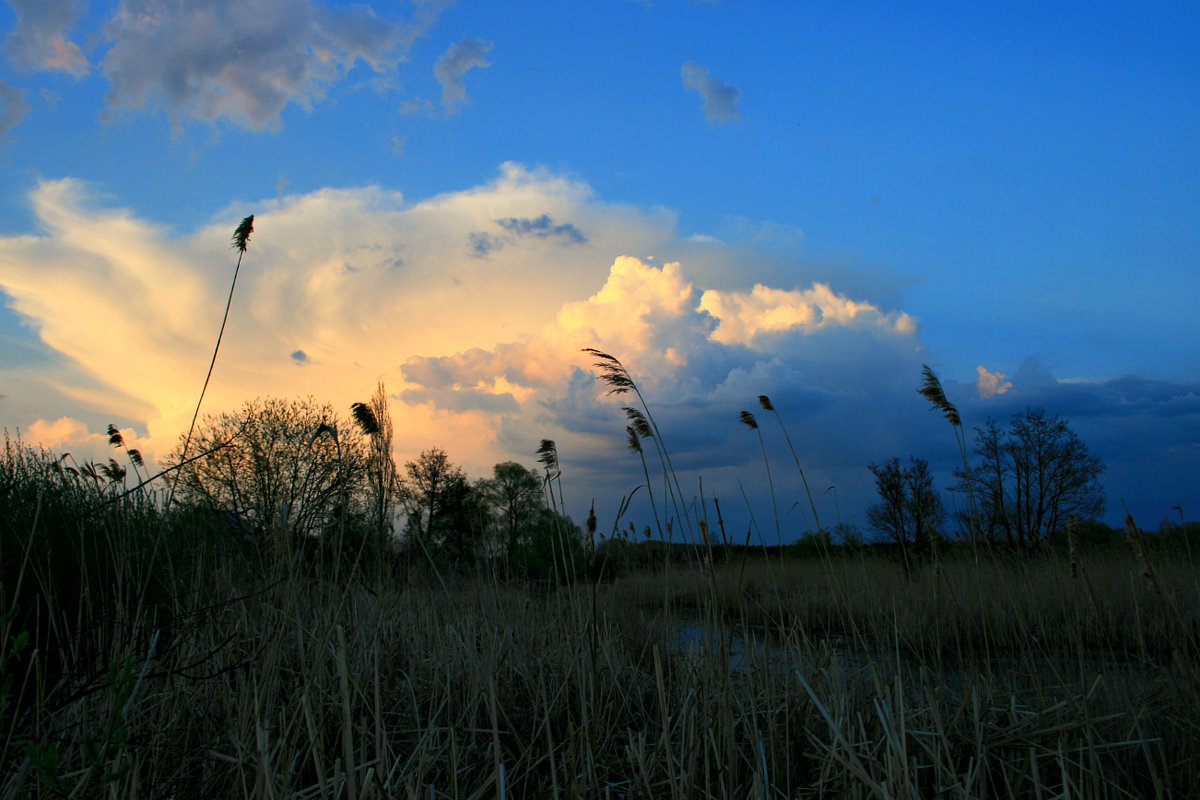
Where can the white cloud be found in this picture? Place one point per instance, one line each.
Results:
(244, 62)
(356, 279)
(38, 39)
(13, 109)
(453, 65)
(751, 317)
(341, 287)
(990, 384)
(720, 98)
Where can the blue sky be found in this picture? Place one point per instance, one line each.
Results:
(446, 193)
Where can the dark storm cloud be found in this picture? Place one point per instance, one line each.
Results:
(1146, 431)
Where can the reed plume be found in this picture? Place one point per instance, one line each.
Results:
(931, 390)
(135, 456)
(750, 422)
(619, 381)
(767, 405)
(241, 239)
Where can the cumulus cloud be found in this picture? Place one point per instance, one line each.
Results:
(990, 384)
(244, 63)
(62, 431)
(38, 39)
(356, 280)
(342, 287)
(751, 317)
(673, 333)
(453, 65)
(13, 109)
(720, 98)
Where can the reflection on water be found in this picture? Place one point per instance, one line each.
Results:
(766, 650)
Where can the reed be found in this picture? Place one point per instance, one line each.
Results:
(834, 677)
(241, 240)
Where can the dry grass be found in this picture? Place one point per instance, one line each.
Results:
(151, 655)
(815, 680)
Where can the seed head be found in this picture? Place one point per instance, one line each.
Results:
(365, 417)
(242, 235)
(931, 390)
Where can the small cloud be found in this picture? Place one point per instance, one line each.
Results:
(719, 97)
(300, 357)
(990, 384)
(542, 227)
(484, 244)
(38, 39)
(63, 431)
(454, 63)
(13, 109)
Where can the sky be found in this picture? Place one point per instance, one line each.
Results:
(807, 201)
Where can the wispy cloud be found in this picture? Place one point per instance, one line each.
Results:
(13, 109)
(483, 243)
(543, 227)
(38, 40)
(454, 64)
(244, 62)
(720, 98)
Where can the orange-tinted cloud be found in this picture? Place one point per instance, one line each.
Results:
(342, 287)
(990, 384)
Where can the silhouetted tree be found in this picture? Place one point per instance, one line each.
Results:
(462, 522)
(910, 512)
(289, 467)
(1032, 478)
(514, 495)
(425, 482)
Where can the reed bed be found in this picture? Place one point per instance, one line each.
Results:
(825, 678)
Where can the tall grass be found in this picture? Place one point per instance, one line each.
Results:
(211, 671)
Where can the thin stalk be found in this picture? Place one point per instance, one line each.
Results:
(766, 404)
(241, 238)
(749, 421)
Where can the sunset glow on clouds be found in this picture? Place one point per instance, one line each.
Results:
(733, 201)
(365, 286)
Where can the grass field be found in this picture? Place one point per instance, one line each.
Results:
(151, 655)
